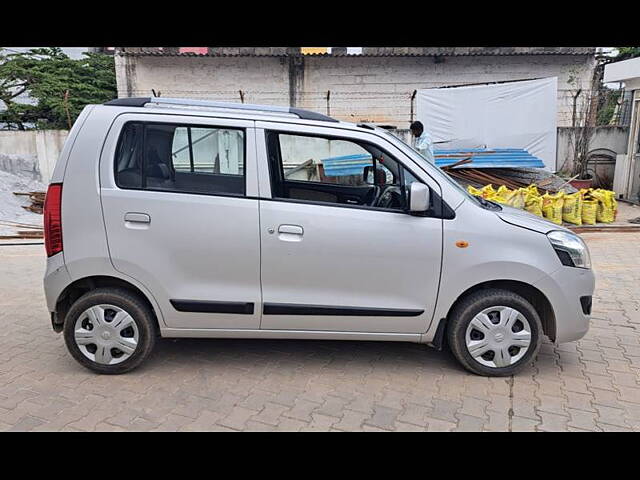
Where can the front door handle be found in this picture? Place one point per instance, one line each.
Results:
(137, 217)
(292, 229)
(290, 233)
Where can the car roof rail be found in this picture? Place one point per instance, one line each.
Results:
(185, 102)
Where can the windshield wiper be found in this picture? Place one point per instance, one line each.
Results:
(488, 204)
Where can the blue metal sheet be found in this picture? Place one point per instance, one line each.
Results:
(346, 165)
(481, 158)
(488, 158)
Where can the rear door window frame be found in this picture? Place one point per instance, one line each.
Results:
(143, 186)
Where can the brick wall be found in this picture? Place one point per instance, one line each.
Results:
(263, 79)
(362, 88)
(380, 89)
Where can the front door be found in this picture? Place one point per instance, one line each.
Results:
(339, 251)
(179, 218)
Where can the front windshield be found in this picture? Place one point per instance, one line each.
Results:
(405, 147)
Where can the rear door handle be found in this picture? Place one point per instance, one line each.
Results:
(137, 217)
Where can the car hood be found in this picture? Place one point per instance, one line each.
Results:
(524, 219)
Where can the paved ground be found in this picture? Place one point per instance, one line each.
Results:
(593, 384)
(626, 212)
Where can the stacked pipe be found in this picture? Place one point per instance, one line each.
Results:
(480, 177)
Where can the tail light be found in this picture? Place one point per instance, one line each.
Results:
(53, 219)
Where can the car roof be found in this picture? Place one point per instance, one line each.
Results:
(229, 110)
(190, 103)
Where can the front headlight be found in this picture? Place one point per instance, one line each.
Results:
(570, 248)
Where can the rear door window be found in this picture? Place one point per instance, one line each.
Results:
(181, 158)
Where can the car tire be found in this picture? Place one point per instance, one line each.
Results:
(487, 332)
(110, 330)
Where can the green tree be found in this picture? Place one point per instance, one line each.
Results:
(627, 52)
(59, 86)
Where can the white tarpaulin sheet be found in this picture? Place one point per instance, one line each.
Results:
(514, 114)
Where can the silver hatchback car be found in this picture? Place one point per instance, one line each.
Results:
(186, 218)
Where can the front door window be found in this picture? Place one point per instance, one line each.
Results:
(336, 171)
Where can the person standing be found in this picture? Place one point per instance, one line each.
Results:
(423, 142)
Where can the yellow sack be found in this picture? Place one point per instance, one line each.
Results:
(533, 189)
(552, 207)
(614, 203)
(605, 212)
(502, 194)
(589, 209)
(488, 191)
(572, 208)
(474, 191)
(517, 198)
(503, 191)
(533, 202)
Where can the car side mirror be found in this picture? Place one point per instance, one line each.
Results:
(367, 175)
(419, 198)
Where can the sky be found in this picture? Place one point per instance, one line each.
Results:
(73, 52)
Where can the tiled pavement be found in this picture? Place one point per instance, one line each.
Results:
(258, 385)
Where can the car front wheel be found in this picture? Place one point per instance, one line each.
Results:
(494, 332)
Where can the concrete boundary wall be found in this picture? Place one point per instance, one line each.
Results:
(607, 138)
(44, 146)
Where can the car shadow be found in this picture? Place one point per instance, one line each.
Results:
(256, 354)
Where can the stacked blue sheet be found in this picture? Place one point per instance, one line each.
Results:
(481, 158)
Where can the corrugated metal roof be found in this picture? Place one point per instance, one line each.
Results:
(468, 51)
(346, 165)
(192, 54)
(488, 158)
(481, 158)
(381, 52)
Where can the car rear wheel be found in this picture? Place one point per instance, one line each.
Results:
(494, 332)
(110, 330)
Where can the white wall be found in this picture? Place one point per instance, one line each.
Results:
(609, 137)
(298, 149)
(604, 137)
(42, 145)
(624, 71)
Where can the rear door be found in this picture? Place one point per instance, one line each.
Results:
(181, 215)
(339, 252)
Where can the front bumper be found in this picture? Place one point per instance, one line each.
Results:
(564, 289)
